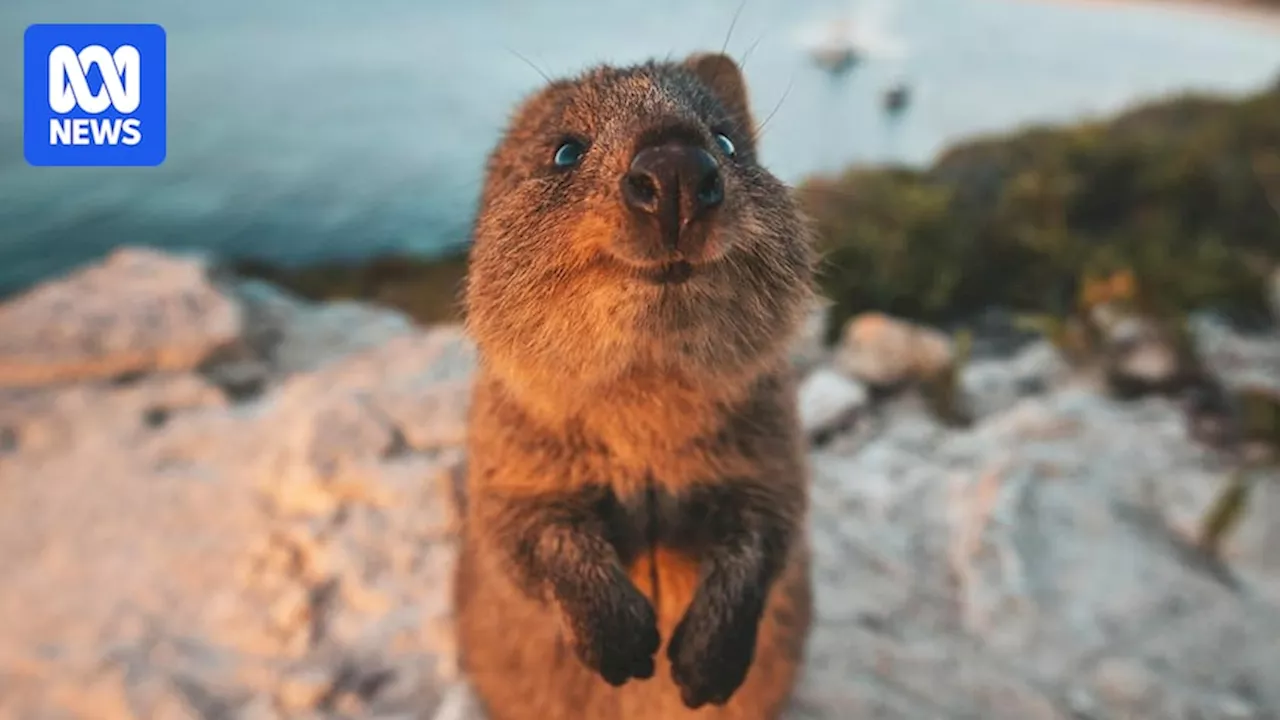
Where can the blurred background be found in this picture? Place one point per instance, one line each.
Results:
(1043, 390)
(334, 130)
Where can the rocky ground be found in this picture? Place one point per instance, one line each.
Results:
(220, 502)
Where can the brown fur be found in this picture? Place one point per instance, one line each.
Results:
(636, 471)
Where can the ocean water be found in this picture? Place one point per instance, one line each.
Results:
(302, 130)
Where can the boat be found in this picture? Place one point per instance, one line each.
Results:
(839, 51)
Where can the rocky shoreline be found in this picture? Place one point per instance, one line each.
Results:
(223, 501)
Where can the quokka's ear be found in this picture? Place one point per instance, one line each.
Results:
(723, 76)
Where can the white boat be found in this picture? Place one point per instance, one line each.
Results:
(841, 43)
(840, 50)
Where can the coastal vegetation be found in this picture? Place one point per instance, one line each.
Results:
(1183, 194)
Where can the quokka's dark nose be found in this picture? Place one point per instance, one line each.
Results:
(675, 183)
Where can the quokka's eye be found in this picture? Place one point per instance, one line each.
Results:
(726, 144)
(568, 154)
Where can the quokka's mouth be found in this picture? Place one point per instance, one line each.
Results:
(672, 273)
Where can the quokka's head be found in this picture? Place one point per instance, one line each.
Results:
(626, 220)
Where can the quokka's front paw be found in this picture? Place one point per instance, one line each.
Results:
(615, 631)
(712, 648)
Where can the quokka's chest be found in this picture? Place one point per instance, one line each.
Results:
(660, 538)
(647, 517)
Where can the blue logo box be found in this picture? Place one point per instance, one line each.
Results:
(94, 95)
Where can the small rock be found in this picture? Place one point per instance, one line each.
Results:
(1150, 362)
(829, 400)
(1038, 366)
(1140, 356)
(992, 385)
(139, 311)
(884, 351)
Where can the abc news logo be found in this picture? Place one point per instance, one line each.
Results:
(69, 89)
(94, 95)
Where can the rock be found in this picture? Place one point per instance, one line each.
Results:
(1150, 363)
(138, 311)
(989, 573)
(883, 351)
(992, 385)
(829, 402)
(319, 516)
(1142, 354)
(172, 551)
(1230, 411)
(1239, 360)
(1139, 356)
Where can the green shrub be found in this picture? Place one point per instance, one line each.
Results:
(1175, 191)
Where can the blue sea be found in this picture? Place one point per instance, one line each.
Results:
(304, 130)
